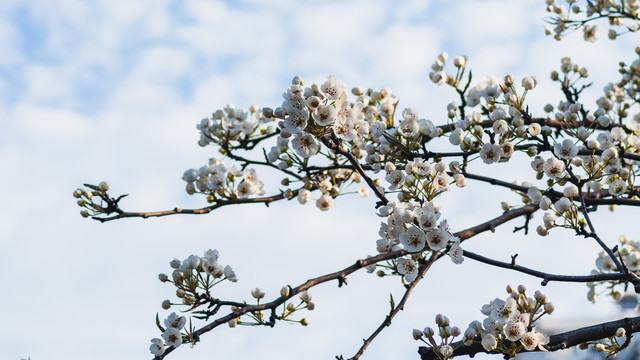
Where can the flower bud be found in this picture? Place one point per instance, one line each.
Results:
(311, 306)
(620, 332)
(304, 322)
(104, 186)
(428, 331)
(305, 296)
(180, 293)
(284, 292)
(549, 307)
(528, 83)
(233, 322)
(163, 277)
(455, 331)
(166, 304)
(509, 80)
(257, 293)
(417, 334)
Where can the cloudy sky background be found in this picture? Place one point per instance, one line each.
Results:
(112, 90)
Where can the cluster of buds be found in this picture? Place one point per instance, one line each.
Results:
(216, 181)
(444, 348)
(612, 345)
(289, 308)
(87, 199)
(233, 124)
(195, 276)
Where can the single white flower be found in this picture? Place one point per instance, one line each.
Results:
(567, 150)
(442, 181)
(304, 196)
(230, 274)
(617, 187)
(156, 347)
(175, 321)
(324, 115)
(413, 240)
(534, 339)
(506, 149)
(408, 268)
(438, 238)
(172, 337)
(344, 128)
(554, 167)
(304, 144)
(455, 253)
(489, 341)
(324, 203)
(490, 153)
(503, 310)
(500, 126)
(514, 330)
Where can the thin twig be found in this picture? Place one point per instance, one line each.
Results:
(387, 321)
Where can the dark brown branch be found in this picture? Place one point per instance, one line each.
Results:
(333, 145)
(545, 276)
(492, 224)
(205, 210)
(341, 275)
(338, 275)
(556, 342)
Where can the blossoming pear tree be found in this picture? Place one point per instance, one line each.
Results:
(328, 143)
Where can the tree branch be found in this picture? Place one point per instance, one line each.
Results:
(394, 311)
(556, 342)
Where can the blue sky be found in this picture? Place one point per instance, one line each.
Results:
(112, 90)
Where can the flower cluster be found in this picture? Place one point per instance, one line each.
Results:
(629, 254)
(622, 16)
(194, 278)
(215, 180)
(87, 199)
(417, 230)
(233, 124)
(195, 274)
(171, 334)
(508, 328)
